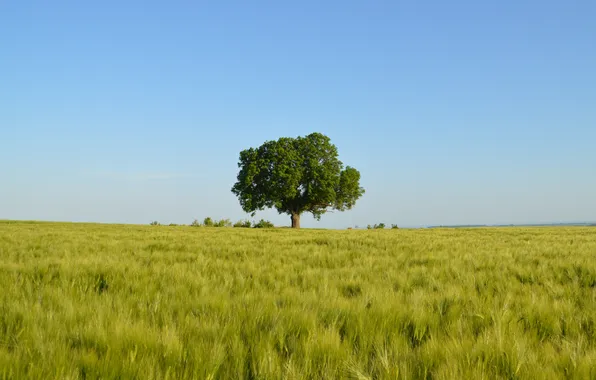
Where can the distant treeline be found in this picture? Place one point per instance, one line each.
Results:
(210, 222)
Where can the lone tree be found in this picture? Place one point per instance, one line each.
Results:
(296, 175)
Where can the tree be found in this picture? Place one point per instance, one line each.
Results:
(294, 176)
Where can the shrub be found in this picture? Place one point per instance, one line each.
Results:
(172, 225)
(223, 223)
(243, 224)
(394, 227)
(209, 222)
(155, 223)
(263, 224)
(379, 226)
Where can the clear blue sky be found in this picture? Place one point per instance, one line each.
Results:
(458, 111)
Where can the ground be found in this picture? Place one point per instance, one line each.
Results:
(154, 302)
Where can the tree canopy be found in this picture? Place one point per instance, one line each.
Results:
(296, 175)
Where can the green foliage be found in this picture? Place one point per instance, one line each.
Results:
(263, 224)
(296, 175)
(209, 222)
(243, 224)
(155, 223)
(394, 227)
(223, 223)
(136, 302)
(379, 226)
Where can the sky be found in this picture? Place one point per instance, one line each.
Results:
(454, 112)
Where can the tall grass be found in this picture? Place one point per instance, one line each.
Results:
(82, 301)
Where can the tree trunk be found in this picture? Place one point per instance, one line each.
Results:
(295, 220)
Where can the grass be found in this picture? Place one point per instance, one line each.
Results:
(84, 301)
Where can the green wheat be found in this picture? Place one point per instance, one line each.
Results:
(84, 301)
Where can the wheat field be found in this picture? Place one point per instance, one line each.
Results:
(89, 301)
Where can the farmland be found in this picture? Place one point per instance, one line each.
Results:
(83, 301)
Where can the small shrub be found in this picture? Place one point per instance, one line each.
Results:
(173, 225)
(223, 223)
(243, 224)
(209, 222)
(263, 224)
(394, 227)
(155, 223)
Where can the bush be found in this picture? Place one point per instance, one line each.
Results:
(263, 224)
(155, 223)
(209, 222)
(223, 223)
(172, 225)
(394, 227)
(243, 224)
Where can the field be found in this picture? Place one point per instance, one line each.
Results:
(84, 301)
